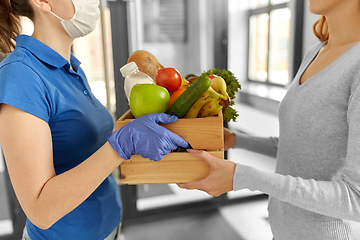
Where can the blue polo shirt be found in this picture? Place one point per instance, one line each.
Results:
(36, 79)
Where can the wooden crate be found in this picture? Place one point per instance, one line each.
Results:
(176, 167)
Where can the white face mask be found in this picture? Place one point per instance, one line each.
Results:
(84, 21)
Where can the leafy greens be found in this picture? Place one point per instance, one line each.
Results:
(233, 86)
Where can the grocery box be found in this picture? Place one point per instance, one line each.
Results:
(176, 167)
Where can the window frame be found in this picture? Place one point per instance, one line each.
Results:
(297, 11)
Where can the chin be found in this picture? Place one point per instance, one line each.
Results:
(324, 7)
(314, 8)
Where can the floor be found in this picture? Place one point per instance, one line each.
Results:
(245, 221)
(249, 219)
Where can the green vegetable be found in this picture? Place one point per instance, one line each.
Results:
(187, 99)
(233, 86)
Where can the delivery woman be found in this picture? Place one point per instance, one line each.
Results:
(315, 192)
(56, 136)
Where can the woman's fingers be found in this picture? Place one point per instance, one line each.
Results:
(207, 157)
(192, 185)
(220, 178)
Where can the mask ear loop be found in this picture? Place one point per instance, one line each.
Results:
(56, 16)
(75, 7)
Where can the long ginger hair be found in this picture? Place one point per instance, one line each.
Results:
(321, 29)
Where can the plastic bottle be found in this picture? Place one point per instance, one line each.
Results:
(133, 76)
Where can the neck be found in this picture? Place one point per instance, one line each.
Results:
(57, 40)
(344, 28)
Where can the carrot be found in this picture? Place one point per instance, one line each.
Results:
(176, 94)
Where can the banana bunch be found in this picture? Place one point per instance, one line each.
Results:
(212, 101)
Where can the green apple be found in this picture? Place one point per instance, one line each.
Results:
(148, 98)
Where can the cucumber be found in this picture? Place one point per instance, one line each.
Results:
(187, 99)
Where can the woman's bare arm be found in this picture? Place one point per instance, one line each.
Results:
(44, 196)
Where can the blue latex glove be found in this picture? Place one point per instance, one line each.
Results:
(145, 137)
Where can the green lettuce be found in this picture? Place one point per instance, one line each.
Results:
(233, 87)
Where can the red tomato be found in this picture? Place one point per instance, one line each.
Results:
(169, 78)
(212, 76)
(191, 79)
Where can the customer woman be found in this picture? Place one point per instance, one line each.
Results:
(315, 192)
(56, 136)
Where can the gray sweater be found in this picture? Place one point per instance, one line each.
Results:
(315, 192)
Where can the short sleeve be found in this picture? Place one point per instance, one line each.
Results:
(22, 87)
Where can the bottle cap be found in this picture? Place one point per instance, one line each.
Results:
(128, 68)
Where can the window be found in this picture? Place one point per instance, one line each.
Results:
(269, 41)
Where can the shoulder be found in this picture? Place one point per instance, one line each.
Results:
(350, 67)
(19, 79)
(350, 72)
(17, 62)
(354, 57)
(22, 88)
(314, 50)
(309, 56)
(18, 72)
